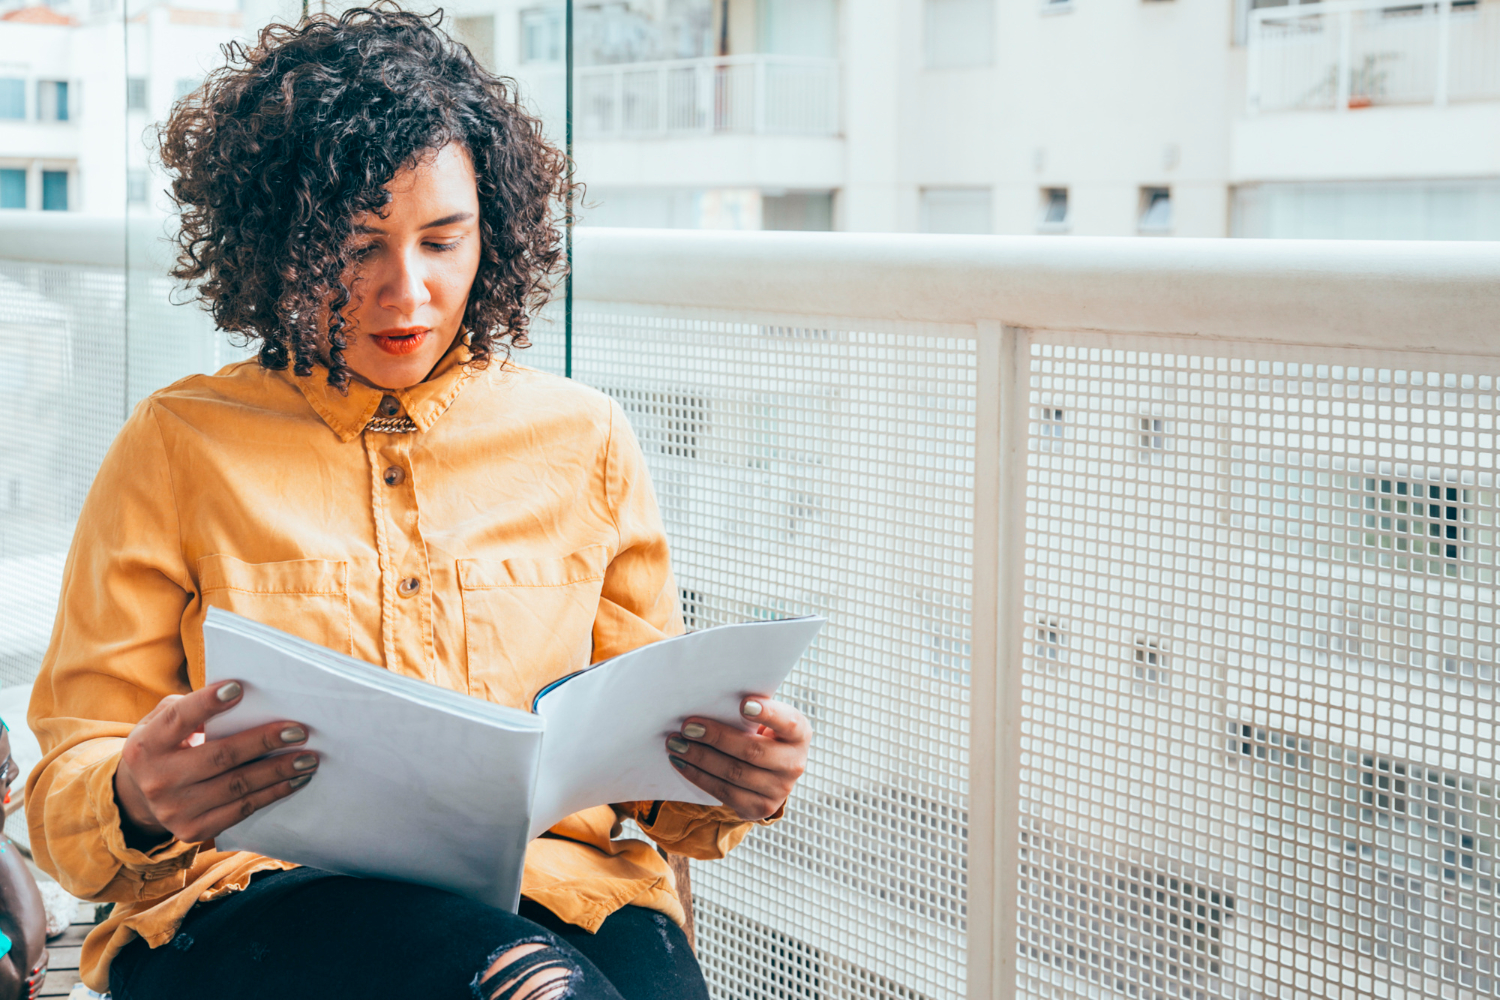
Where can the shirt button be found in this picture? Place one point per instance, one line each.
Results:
(395, 476)
(409, 586)
(389, 406)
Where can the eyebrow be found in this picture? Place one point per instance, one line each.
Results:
(446, 220)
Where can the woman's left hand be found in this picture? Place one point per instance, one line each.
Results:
(750, 772)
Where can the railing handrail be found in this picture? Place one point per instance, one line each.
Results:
(63, 238)
(1376, 295)
(1380, 295)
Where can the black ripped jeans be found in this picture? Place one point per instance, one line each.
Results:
(312, 934)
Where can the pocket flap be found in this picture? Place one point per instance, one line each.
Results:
(326, 577)
(487, 574)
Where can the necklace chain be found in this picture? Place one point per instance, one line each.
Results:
(392, 425)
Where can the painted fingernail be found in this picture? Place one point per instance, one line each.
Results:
(229, 691)
(299, 782)
(293, 734)
(751, 708)
(694, 730)
(677, 745)
(678, 762)
(305, 762)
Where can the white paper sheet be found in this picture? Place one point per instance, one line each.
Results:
(607, 726)
(427, 785)
(402, 791)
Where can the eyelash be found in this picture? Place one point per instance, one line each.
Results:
(365, 251)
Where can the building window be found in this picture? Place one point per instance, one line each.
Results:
(960, 33)
(52, 100)
(12, 98)
(54, 190)
(136, 182)
(135, 93)
(1054, 210)
(183, 87)
(478, 33)
(1156, 210)
(810, 211)
(798, 28)
(12, 188)
(956, 210)
(542, 35)
(1368, 210)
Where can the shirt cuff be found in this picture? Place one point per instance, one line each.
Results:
(675, 822)
(171, 857)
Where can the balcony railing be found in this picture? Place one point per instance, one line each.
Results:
(1358, 53)
(754, 94)
(1160, 578)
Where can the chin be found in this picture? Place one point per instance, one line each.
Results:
(394, 371)
(397, 374)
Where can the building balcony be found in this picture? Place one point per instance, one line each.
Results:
(1354, 91)
(731, 125)
(1351, 54)
(1160, 579)
(725, 95)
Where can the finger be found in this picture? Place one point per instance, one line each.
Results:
(746, 804)
(207, 796)
(731, 770)
(761, 750)
(179, 716)
(216, 821)
(789, 725)
(217, 757)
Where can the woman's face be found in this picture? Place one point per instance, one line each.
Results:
(416, 266)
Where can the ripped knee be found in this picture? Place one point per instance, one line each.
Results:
(535, 969)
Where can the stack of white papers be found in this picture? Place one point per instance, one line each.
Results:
(422, 784)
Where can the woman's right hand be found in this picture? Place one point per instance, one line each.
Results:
(170, 781)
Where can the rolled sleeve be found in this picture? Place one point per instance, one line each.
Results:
(115, 652)
(704, 833)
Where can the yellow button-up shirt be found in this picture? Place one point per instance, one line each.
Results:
(512, 538)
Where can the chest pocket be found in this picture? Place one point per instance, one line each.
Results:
(528, 622)
(306, 597)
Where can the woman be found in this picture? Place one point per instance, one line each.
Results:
(363, 199)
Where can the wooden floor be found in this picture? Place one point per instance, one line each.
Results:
(62, 971)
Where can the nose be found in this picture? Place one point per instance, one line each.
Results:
(403, 284)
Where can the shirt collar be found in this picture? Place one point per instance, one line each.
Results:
(347, 413)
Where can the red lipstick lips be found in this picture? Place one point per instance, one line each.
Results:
(400, 340)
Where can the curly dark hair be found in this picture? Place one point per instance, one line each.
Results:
(279, 150)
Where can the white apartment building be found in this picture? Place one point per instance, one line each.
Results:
(1096, 117)
(1344, 118)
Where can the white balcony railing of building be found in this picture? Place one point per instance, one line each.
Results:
(1160, 577)
(753, 94)
(1357, 53)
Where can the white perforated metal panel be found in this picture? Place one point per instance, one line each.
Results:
(809, 470)
(1257, 748)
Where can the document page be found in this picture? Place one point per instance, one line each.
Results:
(415, 782)
(607, 726)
